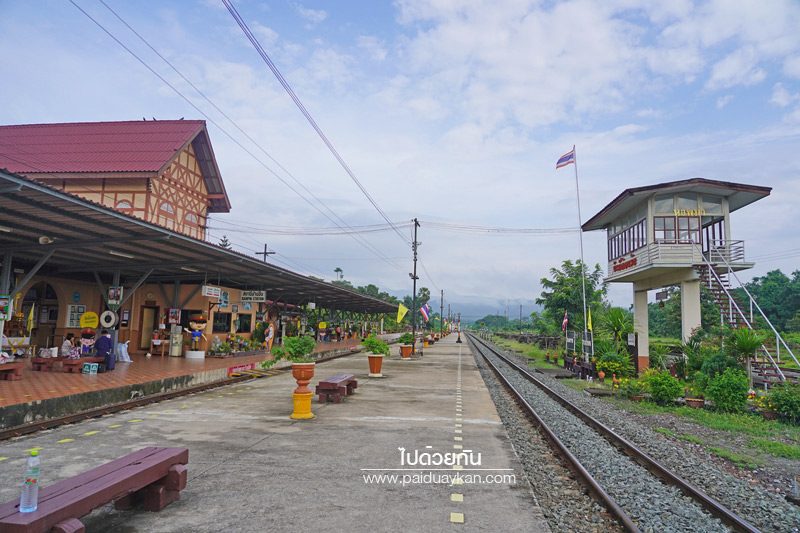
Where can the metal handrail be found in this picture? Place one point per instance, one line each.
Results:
(742, 315)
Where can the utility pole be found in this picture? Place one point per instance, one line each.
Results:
(520, 317)
(414, 277)
(441, 314)
(458, 340)
(265, 253)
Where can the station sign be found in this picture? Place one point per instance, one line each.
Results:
(253, 296)
(211, 292)
(89, 319)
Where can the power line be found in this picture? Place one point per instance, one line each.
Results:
(285, 84)
(223, 130)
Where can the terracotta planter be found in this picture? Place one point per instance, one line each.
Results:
(601, 375)
(302, 373)
(405, 351)
(696, 403)
(769, 415)
(375, 363)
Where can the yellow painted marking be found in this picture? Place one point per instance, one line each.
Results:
(457, 518)
(64, 441)
(458, 431)
(458, 425)
(456, 497)
(90, 433)
(457, 446)
(458, 467)
(34, 449)
(184, 406)
(3, 459)
(458, 438)
(115, 426)
(135, 421)
(458, 481)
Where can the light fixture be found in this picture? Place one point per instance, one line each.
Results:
(189, 269)
(4, 229)
(44, 239)
(120, 254)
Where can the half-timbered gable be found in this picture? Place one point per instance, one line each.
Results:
(162, 171)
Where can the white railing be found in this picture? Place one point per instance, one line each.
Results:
(725, 252)
(753, 304)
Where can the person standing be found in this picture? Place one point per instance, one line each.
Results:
(105, 349)
(270, 336)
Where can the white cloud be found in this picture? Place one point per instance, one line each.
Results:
(266, 35)
(723, 101)
(781, 96)
(373, 46)
(313, 16)
(737, 68)
(791, 66)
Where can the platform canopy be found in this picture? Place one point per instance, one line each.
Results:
(738, 194)
(75, 238)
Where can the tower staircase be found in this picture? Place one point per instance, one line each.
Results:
(738, 309)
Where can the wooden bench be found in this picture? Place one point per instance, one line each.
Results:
(151, 476)
(336, 387)
(75, 366)
(11, 371)
(45, 364)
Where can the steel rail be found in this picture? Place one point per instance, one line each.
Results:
(572, 462)
(27, 429)
(657, 469)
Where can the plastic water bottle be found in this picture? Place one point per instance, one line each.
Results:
(29, 499)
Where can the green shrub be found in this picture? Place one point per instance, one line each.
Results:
(786, 399)
(631, 387)
(664, 389)
(375, 345)
(716, 364)
(297, 349)
(658, 356)
(728, 390)
(406, 338)
(259, 333)
(615, 363)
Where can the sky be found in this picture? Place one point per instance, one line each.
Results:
(447, 111)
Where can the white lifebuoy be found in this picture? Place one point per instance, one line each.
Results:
(109, 319)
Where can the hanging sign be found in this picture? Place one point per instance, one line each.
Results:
(323, 325)
(5, 307)
(254, 296)
(89, 319)
(114, 295)
(174, 316)
(224, 298)
(211, 292)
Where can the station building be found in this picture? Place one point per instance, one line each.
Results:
(676, 233)
(88, 207)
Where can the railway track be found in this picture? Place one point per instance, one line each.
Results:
(640, 492)
(27, 429)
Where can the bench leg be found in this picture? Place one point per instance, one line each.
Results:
(157, 496)
(323, 397)
(71, 525)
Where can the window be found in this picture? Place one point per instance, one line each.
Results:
(191, 218)
(686, 201)
(222, 323)
(712, 205)
(689, 229)
(664, 229)
(167, 208)
(664, 204)
(628, 240)
(123, 205)
(243, 323)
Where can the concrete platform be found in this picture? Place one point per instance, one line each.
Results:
(251, 468)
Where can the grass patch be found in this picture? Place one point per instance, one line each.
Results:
(665, 431)
(740, 460)
(778, 449)
(688, 437)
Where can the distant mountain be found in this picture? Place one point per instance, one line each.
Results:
(474, 307)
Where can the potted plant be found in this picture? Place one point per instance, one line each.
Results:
(632, 389)
(377, 350)
(405, 345)
(297, 350)
(694, 397)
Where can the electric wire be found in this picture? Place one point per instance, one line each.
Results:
(288, 88)
(214, 122)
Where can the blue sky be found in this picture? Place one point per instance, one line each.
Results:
(448, 111)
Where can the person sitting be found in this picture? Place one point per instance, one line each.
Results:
(67, 345)
(105, 348)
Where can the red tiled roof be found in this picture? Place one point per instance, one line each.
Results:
(130, 146)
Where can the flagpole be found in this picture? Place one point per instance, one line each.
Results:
(580, 236)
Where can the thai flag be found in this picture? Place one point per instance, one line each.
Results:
(564, 322)
(566, 159)
(425, 309)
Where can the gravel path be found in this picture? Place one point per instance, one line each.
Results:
(767, 511)
(653, 505)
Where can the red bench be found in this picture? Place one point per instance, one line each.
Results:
(75, 366)
(11, 371)
(151, 476)
(336, 387)
(45, 364)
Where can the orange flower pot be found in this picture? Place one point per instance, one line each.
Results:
(405, 351)
(375, 363)
(302, 373)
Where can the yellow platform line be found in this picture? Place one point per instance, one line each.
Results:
(456, 497)
(457, 518)
(90, 433)
(115, 426)
(64, 441)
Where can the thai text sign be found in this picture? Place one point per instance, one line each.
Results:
(211, 292)
(625, 265)
(254, 296)
(89, 319)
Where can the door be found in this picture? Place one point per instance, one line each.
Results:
(148, 323)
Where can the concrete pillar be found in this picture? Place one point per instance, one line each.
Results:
(690, 308)
(641, 327)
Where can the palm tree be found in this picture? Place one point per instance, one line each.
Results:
(339, 273)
